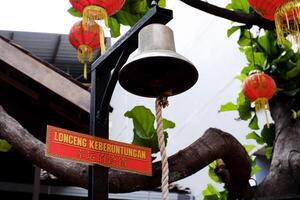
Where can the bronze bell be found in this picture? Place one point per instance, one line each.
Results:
(157, 70)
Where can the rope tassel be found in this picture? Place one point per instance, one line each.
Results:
(287, 21)
(160, 103)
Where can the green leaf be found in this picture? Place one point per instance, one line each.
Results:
(256, 137)
(114, 26)
(74, 12)
(168, 124)
(211, 193)
(294, 114)
(228, 107)
(229, 6)
(150, 142)
(241, 100)
(254, 123)
(210, 190)
(244, 107)
(284, 57)
(265, 43)
(245, 38)
(247, 69)
(211, 197)
(239, 5)
(241, 77)
(294, 72)
(211, 172)
(298, 113)
(268, 134)
(245, 111)
(249, 147)
(255, 169)
(126, 18)
(140, 6)
(4, 146)
(213, 175)
(144, 132)
(259, 58)
(162, 3)
(256, 58)
(269, 152)
(143, 121)
(291, 93)
(232, 30)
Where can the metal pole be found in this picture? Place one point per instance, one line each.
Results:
(36, 183)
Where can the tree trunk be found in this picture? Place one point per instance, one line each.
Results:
(283, 180)
(212, 145)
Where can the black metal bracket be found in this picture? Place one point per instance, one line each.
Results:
(103, 82)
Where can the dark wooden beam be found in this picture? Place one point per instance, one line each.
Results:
(19, 86)
(45, 76)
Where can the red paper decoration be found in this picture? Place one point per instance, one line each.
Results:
(259, 88)
(85, 42)
(97, 9)
(266, 8)
(286, 14)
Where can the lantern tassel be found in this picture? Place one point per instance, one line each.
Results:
(267, 119)
(85, 71)
(84, 55)
(287, 21)
(92, 13)
(102, 41)
(262, 103)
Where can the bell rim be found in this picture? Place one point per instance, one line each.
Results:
(138, 58)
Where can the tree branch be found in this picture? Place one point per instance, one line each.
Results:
(248, 19)
(212, 145)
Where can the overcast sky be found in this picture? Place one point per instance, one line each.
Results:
(36, 15)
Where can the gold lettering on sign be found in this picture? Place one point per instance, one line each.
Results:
(70, 139)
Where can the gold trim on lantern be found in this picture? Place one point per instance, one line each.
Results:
(261, 103)
(287, 21)
(92, 13)
(84, 53)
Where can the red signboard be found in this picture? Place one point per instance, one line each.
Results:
(87, 149)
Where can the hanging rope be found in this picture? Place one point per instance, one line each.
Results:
(162, 102)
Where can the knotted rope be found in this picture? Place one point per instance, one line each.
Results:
(162, 102)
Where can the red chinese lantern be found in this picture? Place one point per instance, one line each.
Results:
(286, 14)
(259, 88)
(97, 9)
(86, 41)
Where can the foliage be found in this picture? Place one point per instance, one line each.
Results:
(295, 114)
(280, 62)
(144, 131)
(211, 193)
(265, 54)
(131, 12)
(4, 146)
